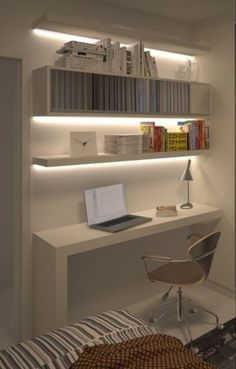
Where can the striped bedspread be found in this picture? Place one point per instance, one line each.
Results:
(60, 348)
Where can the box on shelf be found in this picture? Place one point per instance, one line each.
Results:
(123, 144)
(177, 141)
(166, 211)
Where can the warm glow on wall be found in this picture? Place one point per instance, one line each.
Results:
(169, 55)
(106, 121)
(65, 37)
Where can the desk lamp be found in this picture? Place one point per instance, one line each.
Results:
(187, 176)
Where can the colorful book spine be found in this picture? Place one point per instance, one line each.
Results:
(201, 126)
(177, 141)
(207, 137)
(147, 130)
(198, 134)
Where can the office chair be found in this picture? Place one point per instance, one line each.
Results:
(193, 270)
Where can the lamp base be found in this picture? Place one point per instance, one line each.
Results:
(187, 205)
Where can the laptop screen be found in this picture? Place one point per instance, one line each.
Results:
(105, 203)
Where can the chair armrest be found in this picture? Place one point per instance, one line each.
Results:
(195, 236)
(191, 240)
(163, 259)
(157, 257)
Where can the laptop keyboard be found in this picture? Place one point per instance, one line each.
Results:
(117, 221)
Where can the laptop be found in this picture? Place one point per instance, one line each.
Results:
(106, 209)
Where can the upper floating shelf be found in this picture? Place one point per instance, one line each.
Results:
(81, 27)
(65, 160)
(96, 113)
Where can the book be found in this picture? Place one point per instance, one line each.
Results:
(166, 211)
(106, 43)
(146, 129)
(207, 137)
(198, 135)
(81, 46)
(147, 72)
(123, 60)
(177, 141)
(83, 63)
(135, 57)
(116, 57)
(142, 58)
(154, 67)
(151, 64)
(129, 61)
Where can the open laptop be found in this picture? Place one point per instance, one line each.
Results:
(106, 209)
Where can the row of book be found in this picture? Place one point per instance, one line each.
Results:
(78, 91)
(192, 135)
(174, 97)
(108, 56)
(198, 134)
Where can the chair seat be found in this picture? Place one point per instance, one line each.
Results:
(178, 273)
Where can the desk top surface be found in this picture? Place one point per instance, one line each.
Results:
(80, 238)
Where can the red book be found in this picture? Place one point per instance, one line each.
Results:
(154, 139)
(159, 139)
(197, 134)
(202, 135)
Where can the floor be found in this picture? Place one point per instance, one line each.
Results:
(221, 304)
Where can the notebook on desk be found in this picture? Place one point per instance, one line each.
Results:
(106, 209)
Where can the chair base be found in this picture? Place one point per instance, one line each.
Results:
(179, 300)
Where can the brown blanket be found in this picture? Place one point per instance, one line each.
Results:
(149, 352)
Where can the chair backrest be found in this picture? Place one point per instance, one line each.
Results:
(203, 251)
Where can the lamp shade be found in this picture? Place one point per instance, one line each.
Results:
(187, 176)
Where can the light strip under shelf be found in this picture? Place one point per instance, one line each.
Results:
(66, 160)
(111, 165)
(63, 36)
(108, 121)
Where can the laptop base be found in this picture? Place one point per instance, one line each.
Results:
(122, 225)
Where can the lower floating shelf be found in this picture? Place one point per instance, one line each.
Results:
(56, 161)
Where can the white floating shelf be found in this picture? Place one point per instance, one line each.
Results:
(56, 161)
(117, 114)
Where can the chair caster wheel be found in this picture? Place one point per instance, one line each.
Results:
(195, 350)
(193, 311)
(220, 326)
(152, 320)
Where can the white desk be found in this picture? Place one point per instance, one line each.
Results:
(54, 246)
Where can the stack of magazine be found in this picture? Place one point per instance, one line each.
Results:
(123, 144)
(83, 56)
(166, 211)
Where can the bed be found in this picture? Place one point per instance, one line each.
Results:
(114, 339)
(60, 348)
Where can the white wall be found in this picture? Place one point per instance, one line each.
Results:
(57, 193)
(216, 172)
